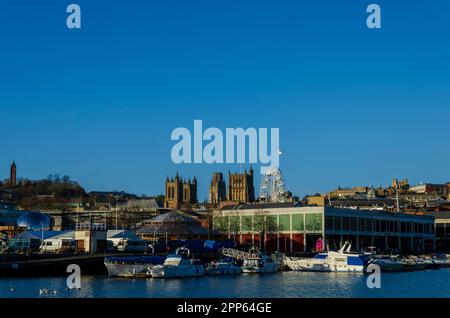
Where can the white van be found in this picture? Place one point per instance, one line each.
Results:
(57, 246)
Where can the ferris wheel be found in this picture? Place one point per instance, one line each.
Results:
(273, 187)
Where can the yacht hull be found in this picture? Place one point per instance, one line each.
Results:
(177, 271)
(223, 270)
(308, 266)
(267, 268)
(126, 270)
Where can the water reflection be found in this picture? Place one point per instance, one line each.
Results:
(280, 285)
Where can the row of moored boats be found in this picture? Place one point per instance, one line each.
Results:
(182, 264)
(346, 261)
(234, 262)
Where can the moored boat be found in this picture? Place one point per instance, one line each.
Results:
(397, 264)
(442, 260)
(256, 262)
(179, 264)
(432, 264)
(341, 261)
(133, 266)
(223, 267)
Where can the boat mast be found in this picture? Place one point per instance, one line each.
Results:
(397, 198)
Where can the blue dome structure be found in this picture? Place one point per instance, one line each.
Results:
(34, 221)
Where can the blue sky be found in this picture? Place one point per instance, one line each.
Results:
(354, 106)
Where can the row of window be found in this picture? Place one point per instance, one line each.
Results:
(338, 223)
(313, 222)
(443, 230)
(272, 223)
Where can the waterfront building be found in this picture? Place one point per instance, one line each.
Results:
(180, 194)
(91, 238)
(217, 189)
(441, 190)
(442, 230)
(297, 228)
(241, 187)
(173, 225)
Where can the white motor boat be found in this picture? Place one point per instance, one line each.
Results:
(393, 264)
(341, 261)
(440, 260)
(223, 267)
(259, 263)
(134, 266)
(178, 265)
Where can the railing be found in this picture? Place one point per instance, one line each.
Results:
(90, 227)
(237, 254)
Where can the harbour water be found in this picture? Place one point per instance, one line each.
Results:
(421, 284)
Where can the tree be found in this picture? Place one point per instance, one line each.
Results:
(235, 225)
(262, 223)
(221, 223)
(65, 179)
(160, 199)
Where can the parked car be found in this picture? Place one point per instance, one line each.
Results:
(58, 246)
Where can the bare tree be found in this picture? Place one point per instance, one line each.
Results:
(221, 224)
(262, 223)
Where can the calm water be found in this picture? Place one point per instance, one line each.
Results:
(280, 285)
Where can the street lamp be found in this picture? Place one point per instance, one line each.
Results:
(42, 234)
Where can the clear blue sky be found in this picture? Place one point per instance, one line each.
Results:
(354, 106)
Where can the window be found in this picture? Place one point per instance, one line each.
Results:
(368, 225)
(377, 226)
(383, 226)
(337, 223)
(361, 225)
(314, 222)
(247, 224)
(285, 222)
(404, 227)
(271, 223)
(298, 222)
(346, 223)
(235, 224)
(328, 223)
(353, 224)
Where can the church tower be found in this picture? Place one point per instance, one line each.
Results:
(217, 189)
(241, 187)
(13, 175)
(180, 194)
